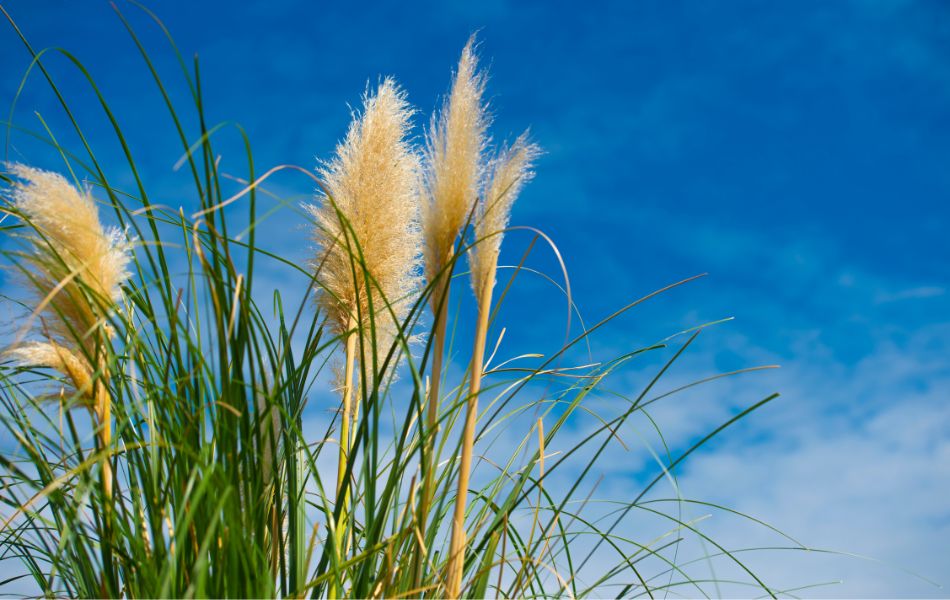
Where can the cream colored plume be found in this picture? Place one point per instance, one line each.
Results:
(454, 152)
(371, 185)
(510, 171)
(52, 355)
(74, 265)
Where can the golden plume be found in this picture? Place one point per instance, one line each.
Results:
(368, 217)
(454, 150)
(75, 267)
(510, 171)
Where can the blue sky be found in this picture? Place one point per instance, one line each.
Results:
(798, 152)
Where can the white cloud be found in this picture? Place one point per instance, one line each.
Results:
(853, 458)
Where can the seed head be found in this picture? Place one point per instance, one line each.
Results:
(510, 171)
(367, 218)
(74, 267)
(59, 358)
(454, 161)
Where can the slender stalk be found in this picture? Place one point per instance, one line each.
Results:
(341, 496)
(274, 535)
(432, 411)
(104, 416)
(457, 546)
(347, 404)
(102, 410)
(441, 303)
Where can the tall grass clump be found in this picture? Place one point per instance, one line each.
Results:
(192, 408)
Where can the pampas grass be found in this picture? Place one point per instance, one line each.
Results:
(454, 162)
(368, 240)
(75, 267)
(370, 209)
(454, 170)
(208, 385)
(510, 171)
(60, 359)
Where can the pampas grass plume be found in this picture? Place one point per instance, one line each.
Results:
(75, 264)
(510, 171)
(372, 186)
(60, 359)
(454, 151)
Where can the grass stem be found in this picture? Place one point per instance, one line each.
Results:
(347, 404)
(457, 546)
(441, 304)
(341, 493)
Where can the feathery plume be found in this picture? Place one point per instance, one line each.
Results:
(370, 207)
(58, 358)
(454, 170)
(76, 263)
(510, 171)
(368, 241)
